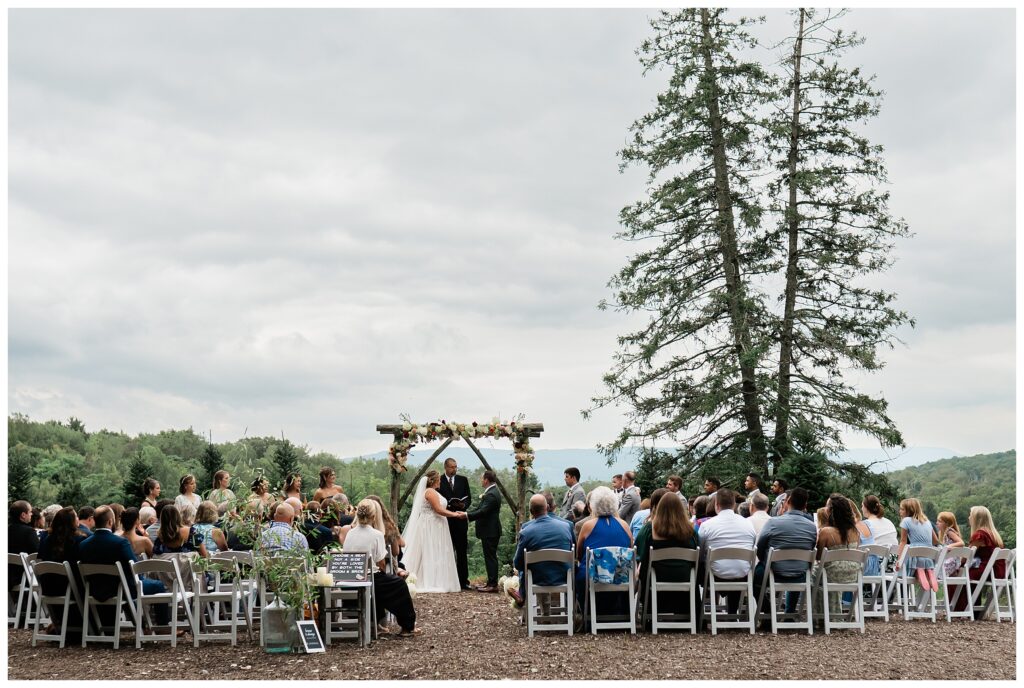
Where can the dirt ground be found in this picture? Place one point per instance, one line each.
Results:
(479, 638)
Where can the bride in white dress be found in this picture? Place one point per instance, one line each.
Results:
(428, 552)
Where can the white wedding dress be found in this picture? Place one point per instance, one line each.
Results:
(429, 554)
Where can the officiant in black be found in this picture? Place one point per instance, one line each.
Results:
(455, 488)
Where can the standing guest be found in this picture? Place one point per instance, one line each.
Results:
(779, 488)
(118, 509)
(712, 485)
(916, 530)
(391, 590)
(544, 532)
(62, 545)
(221, 493)
(759, 513)
(327, 487)
(280, 536)
(727, 529)
(790, 530)
(455, 489)
(839, 531)
(644, 515)
(48, 514)
(85, 520)
(151, 490)
(293, 487)
(629, 503)
(261, 493)
(21, 537)
(617, 486)
(668, 527)
(882, 528)
(187, 490)
(752, 484)
(176, 537)
(606, 529)
(206, 519)
(949, 536)
(674, 484)
(134, 533)
(573, 494)
(153, 529)
(488, 527)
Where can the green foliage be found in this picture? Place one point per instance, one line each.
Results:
(652, 469)
(959, 483)
(286, 462)
(211, 461)
(807, 466)
(19, 473)
(138, 471)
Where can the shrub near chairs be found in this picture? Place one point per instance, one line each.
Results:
(653, 587)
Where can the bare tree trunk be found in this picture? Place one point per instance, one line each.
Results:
(793, 229)
(730, 259)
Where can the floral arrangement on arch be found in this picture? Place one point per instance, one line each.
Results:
(398, 452)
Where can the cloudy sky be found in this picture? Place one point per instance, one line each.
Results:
(315, 221)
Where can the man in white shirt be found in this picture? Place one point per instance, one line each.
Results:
(759, 513)
(727, 529)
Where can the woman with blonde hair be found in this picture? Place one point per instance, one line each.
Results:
(949, 536)
(917, 531)
(986, 538)
(430, 554)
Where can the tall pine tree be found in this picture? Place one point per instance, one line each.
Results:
(211, 461)
(286, 461)
(138, 471)
(19, 473)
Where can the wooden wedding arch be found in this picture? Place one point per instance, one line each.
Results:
(407, 435)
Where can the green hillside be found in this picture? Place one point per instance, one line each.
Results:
(961, 482)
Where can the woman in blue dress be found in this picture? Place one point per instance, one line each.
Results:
(606, 529)
(917, 531)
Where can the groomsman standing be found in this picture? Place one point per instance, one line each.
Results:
(573, 494)
(455, 488)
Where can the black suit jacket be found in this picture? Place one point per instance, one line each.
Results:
(461, 490)
(488, 524)
(103, 547)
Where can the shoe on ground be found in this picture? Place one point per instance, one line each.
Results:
(488, 588)
(410, 634)
(467, 586)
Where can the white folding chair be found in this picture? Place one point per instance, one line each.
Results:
(995, 586)
(714, 586)
(915, 607)
(232, 575)
(119, 603)
(33, 606)
(206, 609)
(774, 587)
(69, 602)
(175, 598)
(876, 604)
(671, 620)
(19, 594)
(959, 577)
(855, 589)
(610, 622)
(557, 617)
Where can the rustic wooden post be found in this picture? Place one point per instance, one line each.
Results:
(521, 495)
(396, 480)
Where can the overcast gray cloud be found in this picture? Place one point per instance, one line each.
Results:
(314, 221)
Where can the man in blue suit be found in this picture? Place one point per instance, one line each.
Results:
(103, 547)
(542, 532)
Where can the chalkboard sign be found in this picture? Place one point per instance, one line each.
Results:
(346, 567)
(310, 635)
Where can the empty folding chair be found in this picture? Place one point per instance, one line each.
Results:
(828, 588)
(119, 604)
(207, 604)
(714, 586)
(233, 571)
(539, 606)
(671, 620)
(617, 574)
(915, 606)
(959, 577)
(175, 598)
(774, 587)
(69, 602)
(876, 604)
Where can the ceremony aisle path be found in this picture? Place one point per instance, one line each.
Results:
(474, 636)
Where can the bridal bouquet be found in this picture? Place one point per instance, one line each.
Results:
(507, 583)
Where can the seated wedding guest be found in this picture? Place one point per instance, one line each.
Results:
(38, 523)
(280, 536)
(206, 519)
(85, 520)
(48, 514)
(916, 530)
(153, 529)
(759, 512)
(188, 514)
(176, 537)
(882, 529)
(790, 530)
(21, 537)
(712, 485)
(727, 529)
(580, 515)
(644, 515)
(986, 538)
(949, 536)
(103, 547)
(700, 511)
(838, 532)
(605, 529)
(60, 545)
(873, 566)
(293, 487)
(545, 532)
(118, 509)
(392, 536)
(390, 589)
(151, 490)
(327, 486)
(147, 517)
(821, 517)
(187, 492)
(317, 534)
(221, 494)
(669, 526)
(674, 484)
(134, 533)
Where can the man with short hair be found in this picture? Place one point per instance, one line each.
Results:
(85, 520)
(573, 494)
(779, 490)
(674, 484)
(617, 485)
(455, 488)
(712, 485)
(549, 500)
(759, 513)
(544, 533)
(630, 502)
(752, 484)
(791, 530)
(488, 527)
(727, 529)
(280, 536)
(21, 538)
